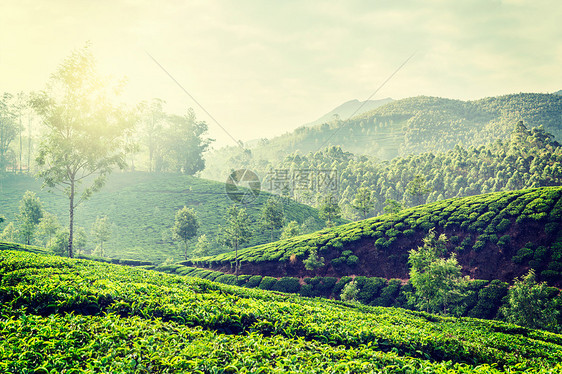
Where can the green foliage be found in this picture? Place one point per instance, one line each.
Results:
(267, 283)
(290, 230)
(352, 260)
(185, 226)
(438, 281)
(85, 131)
(313, 261)
(362, 202)
(392, 206)
(101, 231)
(287, 284)
(31, 212)
(350, 292)
(272, 215)
(192, 325)
(254, 281)
(530, 304)
(329, 210)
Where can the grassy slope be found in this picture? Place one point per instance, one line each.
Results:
(141, 206)
(496, 236)
(61, 314)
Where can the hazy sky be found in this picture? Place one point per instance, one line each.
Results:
(265, 67)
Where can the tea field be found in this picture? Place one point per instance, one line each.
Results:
(68, 315)
(495, 236)
(141, 208)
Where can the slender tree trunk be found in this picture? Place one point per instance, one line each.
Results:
(21, 146)
(236, 258)
(185, 250)
(71, 224)
(29, 144)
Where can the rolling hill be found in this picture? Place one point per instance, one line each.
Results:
(349, 109)
(68, 315)
(403, 127)
(496, 236)
(141, 207)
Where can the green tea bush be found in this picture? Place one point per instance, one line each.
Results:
(267, 283)
(287, 284)
(254, 281)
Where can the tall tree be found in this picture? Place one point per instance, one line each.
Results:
(101, 231)
(8, 130)
(438, 281)
(185, 143)
(48, 227)
(237, 230)
(418, 190)
(185, 226)
(272, 215)
(85, 131)
(362, 202)
(531, 304)
(31, 212)
(329, 209)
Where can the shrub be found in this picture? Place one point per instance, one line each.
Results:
(478, 246)
(346, 253)
(338, 261)
(541, 253)
(338, 287)
(370, 288)
(306, 290)
(352, 260)
(243, 279)
(350, 291)
(388, 294)
(253, 282)
(267, 283)
(287, 284)
(489, 300)
(313, 261)
(551, 228)
(226, 279)
(503, 225)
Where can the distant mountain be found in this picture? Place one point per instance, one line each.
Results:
(558, 92)
(350, 109)
(400, 128)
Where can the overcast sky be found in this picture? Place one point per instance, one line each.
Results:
(265, 67)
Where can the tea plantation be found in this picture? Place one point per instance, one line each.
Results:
(141, 208)
(67, 315)
(495, 236)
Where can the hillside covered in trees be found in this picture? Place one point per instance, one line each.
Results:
(401, 128)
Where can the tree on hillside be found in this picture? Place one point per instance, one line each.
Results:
(417, 189)
(101, 231)
(185, 143)
(531, 304)
(152, 117)
(237, 230)
(85, 131)
(60, 242)
(438, 281)
(392, 206)
(185, 226)
(329, 209)
(10, 233)
(290, 230)
(363, 202)
(272, 215)
(8, 130)
(203, 247)
(31, 212)
(48, 226)
(313, 261)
